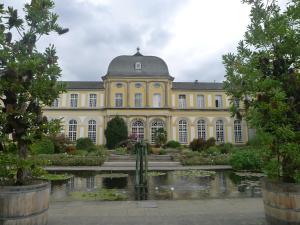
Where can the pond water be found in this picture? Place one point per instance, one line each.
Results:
(169, 185)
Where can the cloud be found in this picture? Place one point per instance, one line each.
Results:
(190, 35)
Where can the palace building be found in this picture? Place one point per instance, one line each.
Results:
(140, 89)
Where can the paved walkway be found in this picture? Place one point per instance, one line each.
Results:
(185, 212)
(156, 167)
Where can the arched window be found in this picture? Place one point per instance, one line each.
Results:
(238, 137)
(72, 130)
(182, 131)
(137, 129)
(201, 127)
(155, 125)
(220, 131)
(92, 130)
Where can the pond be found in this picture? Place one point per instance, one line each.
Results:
(171, 185)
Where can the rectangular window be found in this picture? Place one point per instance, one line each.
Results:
(119, 100)
(218, 101)
(55, 103)
(236, 103)
(138, 100)
(156, 100)
(93, 101)
(182, 101)
(200, 101)
(74, 100)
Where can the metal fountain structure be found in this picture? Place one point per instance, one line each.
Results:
(141, 170)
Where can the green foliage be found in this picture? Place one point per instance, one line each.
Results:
(198, 144)
(116, 132)
(195, 173)
(225, 148)
(172, 144)
(160, 137)
(162, 152)
(189, 158)
(121, 151)
(261, 139)
(60, 142)
(85, 144)
(28, 78)
(79, 152)
(71, 160)
(210, 142)
(264, 74)
(213, 150)
(100, 195)
(246, 159)
(56, 177)
(44, 146)
(70, 149)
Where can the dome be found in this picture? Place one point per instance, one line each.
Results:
(137, 65)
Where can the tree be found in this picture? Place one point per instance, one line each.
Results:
(115, 132)
(160, 137)
(264, 74)
(28, 78)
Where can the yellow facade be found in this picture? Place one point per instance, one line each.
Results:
(158, 100)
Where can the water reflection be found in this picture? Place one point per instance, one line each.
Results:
(167, 186)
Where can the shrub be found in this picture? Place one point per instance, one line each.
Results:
(172, 144)
(225, 148)
(198, 144)
(121, 150)
(44, 146)
(162, 152)
(85, 144)
(160, 137)
(115, 132)
(210, 142)
(70, 149)
(213, 150)
(98, 152)
(60, 141)
(197, 158)
(246, 159)
(260, 139)
(71, 160)
(79, 152)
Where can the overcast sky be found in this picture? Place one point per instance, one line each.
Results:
(190, 35)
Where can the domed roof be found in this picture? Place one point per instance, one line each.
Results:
(137, 65)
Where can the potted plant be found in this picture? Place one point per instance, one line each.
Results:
(160, 138)
(28, 80)
(264, 74)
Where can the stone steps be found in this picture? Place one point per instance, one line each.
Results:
(131, 164)
(125, 158)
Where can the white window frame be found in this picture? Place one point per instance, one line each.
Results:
(201, 129)
(138, 66)
(73, 130)
(238, 132)
(183, 131)
(156, 100)
(138, 100)
(218, 101)
(138, 129)
(182, 101)
(119, 100)
(92, 100)
(55, 103)
(74, 100)
(92, 130)
(220, 134)
(155, 125)
(200, 101)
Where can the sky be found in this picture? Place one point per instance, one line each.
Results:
(189, 35)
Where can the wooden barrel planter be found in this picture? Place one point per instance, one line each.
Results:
(281, 202)
(24, 205)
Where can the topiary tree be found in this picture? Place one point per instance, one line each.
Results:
(28, 78)
(160, 137)
(264, 74)
(115, 132)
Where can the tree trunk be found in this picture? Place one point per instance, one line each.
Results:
(22, 173)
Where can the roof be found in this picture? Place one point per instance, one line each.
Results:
(197, 86)
(83, 84)
(124, 65)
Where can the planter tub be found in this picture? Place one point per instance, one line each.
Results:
(24, 205)
(281, 202)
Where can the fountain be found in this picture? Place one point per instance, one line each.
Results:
(141, 170)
